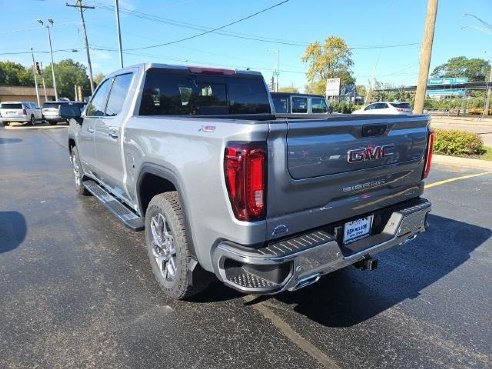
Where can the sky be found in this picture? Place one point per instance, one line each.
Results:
(384, 35)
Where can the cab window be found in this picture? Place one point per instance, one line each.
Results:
(318, 105)
(118, 94)
(98, 103)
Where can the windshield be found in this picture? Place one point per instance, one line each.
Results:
(51, 105)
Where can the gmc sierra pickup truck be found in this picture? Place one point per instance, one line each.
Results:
(196, 157)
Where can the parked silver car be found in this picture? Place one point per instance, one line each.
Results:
(54, 110)
(20, 111)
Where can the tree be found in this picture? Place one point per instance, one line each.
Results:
(476, 69)
(15, 74)
(333, 59)
(98, 78)
(289, 89)
(68, 74)
(361, 90)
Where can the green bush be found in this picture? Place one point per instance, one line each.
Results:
(343, 107)
(455, 142)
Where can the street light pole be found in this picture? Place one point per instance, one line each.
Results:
(50, 22)
(35, 79)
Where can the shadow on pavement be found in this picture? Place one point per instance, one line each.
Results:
(13, 230)
(9, 140)
(348, 297)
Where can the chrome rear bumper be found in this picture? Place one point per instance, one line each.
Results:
(296, 262)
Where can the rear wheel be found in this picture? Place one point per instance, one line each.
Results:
(77, 171)
(168, 247)
(32, 121)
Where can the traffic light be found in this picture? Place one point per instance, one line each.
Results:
(38, 69)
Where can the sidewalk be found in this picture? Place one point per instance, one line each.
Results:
(453, 161)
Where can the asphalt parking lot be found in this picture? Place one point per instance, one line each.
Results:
(76, 289)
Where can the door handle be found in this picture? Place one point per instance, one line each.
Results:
(113, 134)
(90, 129)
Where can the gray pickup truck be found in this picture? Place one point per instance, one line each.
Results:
(197, 158)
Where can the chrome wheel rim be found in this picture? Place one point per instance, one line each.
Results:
(163, 248)
(76, 170)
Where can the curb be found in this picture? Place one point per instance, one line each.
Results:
(453, 161)
(37, 126)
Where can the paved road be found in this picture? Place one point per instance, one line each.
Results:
(77, 291)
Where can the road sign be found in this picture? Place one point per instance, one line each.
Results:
(447, 81)
(333, 87)
(446, 92)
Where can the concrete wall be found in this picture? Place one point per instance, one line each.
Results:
(21, 93)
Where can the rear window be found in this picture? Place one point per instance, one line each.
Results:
(11, 106)
(51, 105)
(318, 105)
(299, 104)
(281, 104)
(174, 93)
(401, 105)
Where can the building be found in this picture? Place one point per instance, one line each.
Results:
(22, 93)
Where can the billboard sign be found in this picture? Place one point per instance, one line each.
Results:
(333, 87)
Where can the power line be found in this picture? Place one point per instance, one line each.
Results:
(196, 27)
(41, 51)
(211, 30)
(154, 18)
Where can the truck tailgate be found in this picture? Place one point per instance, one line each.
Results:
(324, 171)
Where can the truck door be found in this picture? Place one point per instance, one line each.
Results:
(108, 136)
(85, 139)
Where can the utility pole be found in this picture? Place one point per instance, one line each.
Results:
(487, 101)
(81, 7)
(35, 71)
(425, 56)
(117, 11)
(42, 80)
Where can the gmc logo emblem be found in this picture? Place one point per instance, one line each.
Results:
(372, 152)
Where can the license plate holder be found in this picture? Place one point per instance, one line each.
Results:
(357, 229)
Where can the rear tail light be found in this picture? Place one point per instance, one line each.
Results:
(245, 176)
(428, 156)
(201, 70)
(24, 111)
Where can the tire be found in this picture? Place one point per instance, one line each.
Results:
(168, 247)
(77, 171)
(32, 122)
(6, 124)
(52, 122)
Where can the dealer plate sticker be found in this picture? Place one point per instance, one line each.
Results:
(357, 229)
